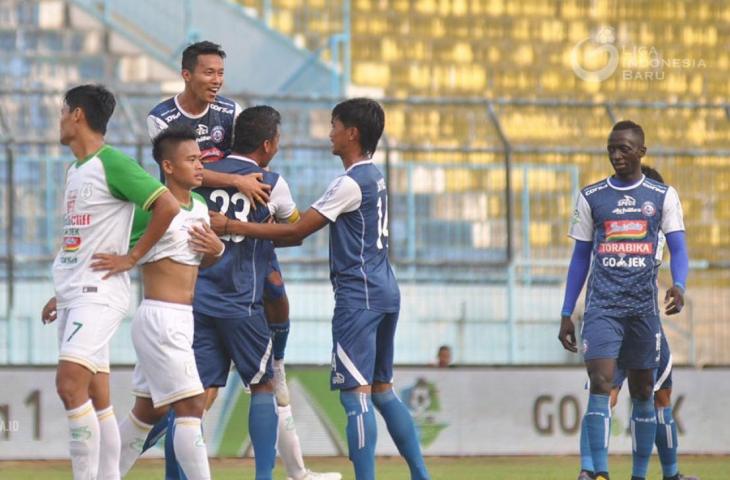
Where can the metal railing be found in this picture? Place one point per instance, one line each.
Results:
(477, 232)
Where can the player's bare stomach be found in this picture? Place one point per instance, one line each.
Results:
(169, 281)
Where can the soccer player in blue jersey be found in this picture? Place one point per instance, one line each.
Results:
(666, 433)
(616, 226)
(367, 298)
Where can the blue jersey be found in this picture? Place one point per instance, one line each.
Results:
(356, 204)
(213, 127)
(234, 285)
(625, 226)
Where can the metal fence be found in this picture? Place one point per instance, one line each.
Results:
(477, 227)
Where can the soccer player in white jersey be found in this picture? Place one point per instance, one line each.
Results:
(367, 297)
(92, 285)
(162, 330)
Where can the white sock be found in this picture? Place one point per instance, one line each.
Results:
(288, 444)
(110, 445)
(133, 433)
(84, 441)
(190, 449)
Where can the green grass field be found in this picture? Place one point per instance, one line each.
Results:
(468, 468)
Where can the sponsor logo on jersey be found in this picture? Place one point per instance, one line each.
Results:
(77, 219)
(648, 209)
(631, 248)
(575, 220)
(201, 130)
(381, 185)
(173, 117)
(627, 201)
(219, 108)
(625, 229)
(595, 189)
(89, 290)
(338, 378)
(71, 243)
(624, 262)
(626, 205)
(217, 134)
(210, 155)
(656, 188)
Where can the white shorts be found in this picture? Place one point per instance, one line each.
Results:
(162, 334)
(84, 333)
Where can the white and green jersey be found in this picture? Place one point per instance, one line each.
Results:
(175, 242)
(101, 192)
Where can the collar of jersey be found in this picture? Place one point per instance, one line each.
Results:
(629, 187)
(90, 156)
(357, 164)
(243, 159)
(189, 115)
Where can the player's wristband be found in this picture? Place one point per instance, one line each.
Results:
(220, 254)
(566, 313)
(680, 286)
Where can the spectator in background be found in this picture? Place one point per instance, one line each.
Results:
(443, 357)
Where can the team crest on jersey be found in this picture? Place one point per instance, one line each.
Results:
(625, 229)
(648, 209)
(217, 134)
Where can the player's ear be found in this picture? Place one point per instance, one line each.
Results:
(642, 150)
(186, 74)
(77, 114)
(166, 166)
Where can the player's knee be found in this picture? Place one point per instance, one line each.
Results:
(71, 392)
(663, 398)
(601, 384)
(642, 391)
(190, 407)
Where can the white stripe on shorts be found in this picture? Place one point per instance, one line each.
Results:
(262, 365)
(342, 355)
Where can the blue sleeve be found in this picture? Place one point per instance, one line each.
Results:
(577, 273)
(679, 263)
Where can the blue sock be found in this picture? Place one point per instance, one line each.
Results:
(643, 432)
(362, 433)
(279, 336)
(263, 423)
(586, 459)
(157, 432)
(666, 441)
(173, 471)
(598, 427)
(403, 431)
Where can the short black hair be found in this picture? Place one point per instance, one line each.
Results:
(652, 173)
(444, 347)
(367, 116)
(191, 53)
(169, 138)
(95, 101)
(253, 127)
(629, 125)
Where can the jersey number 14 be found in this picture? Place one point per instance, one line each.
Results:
(382, 222)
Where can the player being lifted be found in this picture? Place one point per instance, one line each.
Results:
(666, 432)
(618, 220)
(162, 330)
(92, 284)
(367, 298)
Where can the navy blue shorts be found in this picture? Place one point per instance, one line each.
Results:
(663, 374)
(274, 290)
(245, 341)
(634, 341)
(362, 347)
